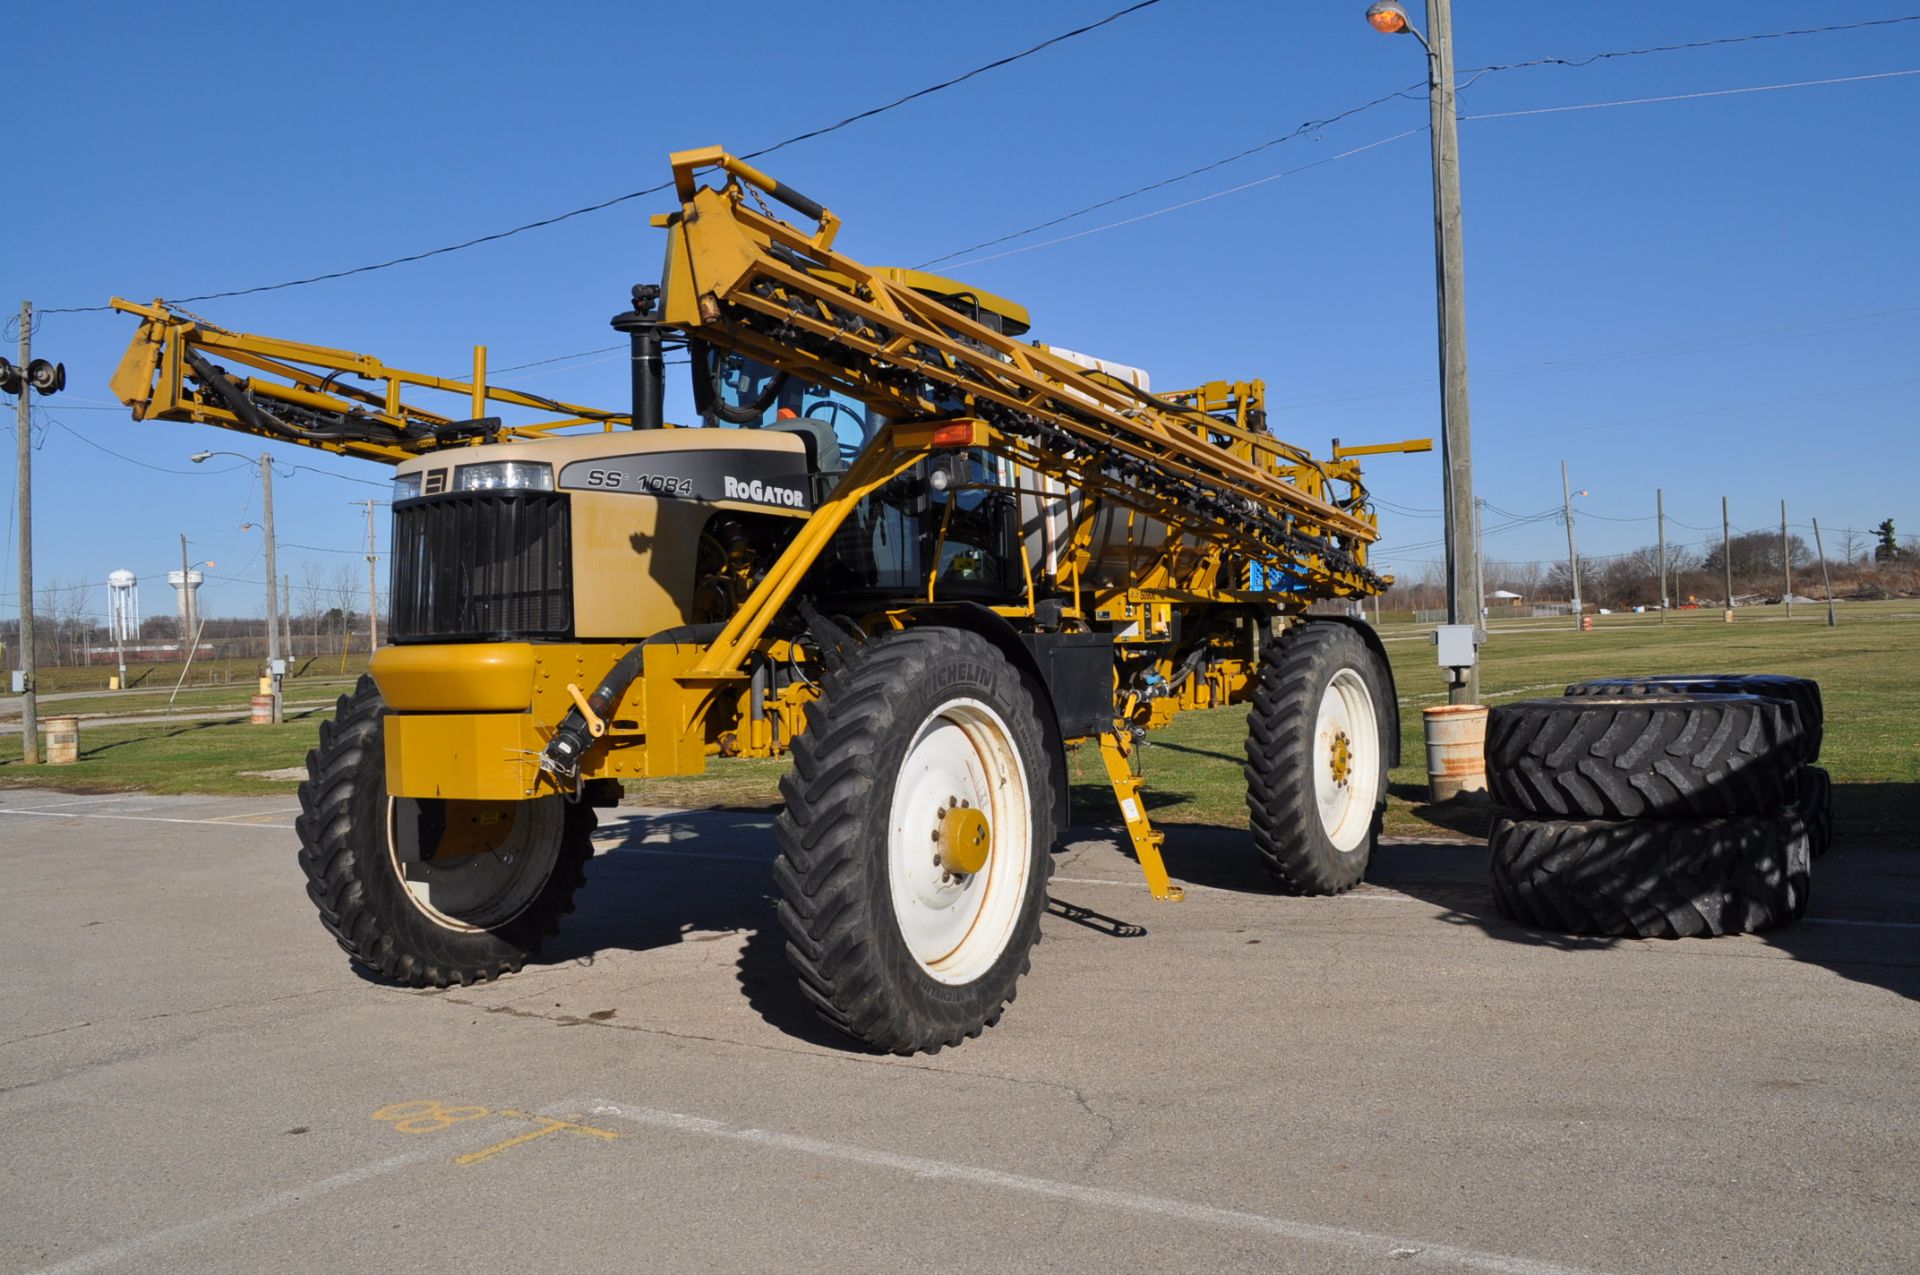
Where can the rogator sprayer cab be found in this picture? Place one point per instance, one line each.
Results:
(917, 552)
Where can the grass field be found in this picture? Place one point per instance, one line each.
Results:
(147, 678)
(1868, 668)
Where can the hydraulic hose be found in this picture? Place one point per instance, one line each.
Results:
(707, 395)
(573, 737)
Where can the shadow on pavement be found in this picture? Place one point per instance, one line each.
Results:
(662, 879)
(693, 877)
(1863, 920)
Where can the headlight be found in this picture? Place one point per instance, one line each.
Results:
(406, 486)
(504, 475)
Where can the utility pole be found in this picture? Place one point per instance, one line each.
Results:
(188, 604)
(1825, 579)
(1660, 512)
(1464, 590)
(1463, 579)
(1786, 560)
(1573, 554)
(274, 666)
(29, 720)
(373, 588)
(1479, 560)
(1726, 554)
(286, 617)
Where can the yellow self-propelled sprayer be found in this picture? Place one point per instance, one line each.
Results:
(924, 555)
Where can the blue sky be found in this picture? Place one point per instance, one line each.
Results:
(1711, 295)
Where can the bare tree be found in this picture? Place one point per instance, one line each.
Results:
(1849, 545)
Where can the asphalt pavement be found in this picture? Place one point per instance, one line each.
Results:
(192, 1078)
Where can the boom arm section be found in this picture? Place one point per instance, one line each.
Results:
(298, 393)
(741, 279)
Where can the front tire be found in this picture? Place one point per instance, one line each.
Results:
(430, 893)
(1316, 758)
(916, 841)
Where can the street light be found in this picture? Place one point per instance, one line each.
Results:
(276, 667)
(1389, 18)
(1573, 555)
(1456, 451)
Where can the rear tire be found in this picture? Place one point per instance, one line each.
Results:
(894, 945)
(1647, 878)
(1802, 692)
(1643, 756)
(430, 893)
(1316, 758)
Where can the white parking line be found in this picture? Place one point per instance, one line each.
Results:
(1383, 1248)
(84, 814)
(126, 1250)
(440, 1149)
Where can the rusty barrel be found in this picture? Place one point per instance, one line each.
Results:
(63, 740)
(262, 710)
(1586, 624)
(1456, 750)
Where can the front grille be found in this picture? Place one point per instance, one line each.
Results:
(481, 565)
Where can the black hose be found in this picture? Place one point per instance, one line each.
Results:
(706, 374)
(573, 738)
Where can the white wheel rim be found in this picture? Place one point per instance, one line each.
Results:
(1346, 760)
(476, 892)
(956, 927)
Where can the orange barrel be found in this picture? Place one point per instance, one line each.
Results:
(63, 740)
(1456, 750)
(1586, 624)
(262, 710)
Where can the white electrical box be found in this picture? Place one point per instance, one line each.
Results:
(1458, 648)
(19, 682)
(278, 668)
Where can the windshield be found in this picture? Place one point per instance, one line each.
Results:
(748, 394)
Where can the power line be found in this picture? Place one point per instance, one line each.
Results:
(1232, 190)
(558, 358)
(1688, 97)
(1189, 203)
(1475, 72)
(158, 469)
(1591, 58)
(1311, 126)
(557, 218)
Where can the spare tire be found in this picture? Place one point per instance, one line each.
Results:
(1802, 692)
(1816, 808)
(1643, 756)
(1644, 878)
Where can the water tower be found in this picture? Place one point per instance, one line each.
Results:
(123, 616)
(187, 585)
(123, 606)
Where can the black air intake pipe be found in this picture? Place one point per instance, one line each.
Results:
(649, 368)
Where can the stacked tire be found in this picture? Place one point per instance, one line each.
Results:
(1659, 807)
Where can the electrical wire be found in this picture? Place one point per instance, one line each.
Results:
(1475, 73)
(1311, 126)
(557, 218)
(158, 469)
(1189, 203)
(1232, 190)
(1687, 97)
(1591, 58)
